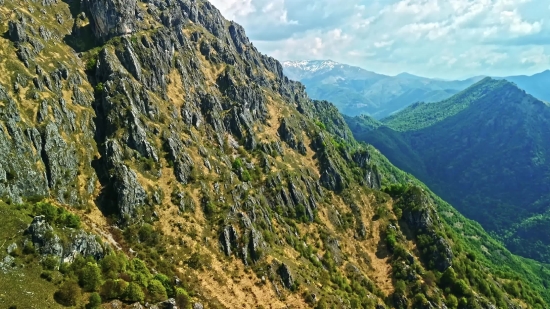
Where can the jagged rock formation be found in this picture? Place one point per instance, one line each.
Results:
(111, 18)
(198, 156)
(419, 214)
(48, 242)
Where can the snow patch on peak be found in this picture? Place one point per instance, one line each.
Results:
(312, 66)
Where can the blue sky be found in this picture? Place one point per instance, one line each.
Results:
(433, 38)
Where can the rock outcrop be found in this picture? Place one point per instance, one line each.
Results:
(419, 214)
(286, 276)
(111, 18)
(48, 243)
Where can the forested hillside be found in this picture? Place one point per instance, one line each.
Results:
(485, 151)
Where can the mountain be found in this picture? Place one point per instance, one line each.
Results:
(485, 150)
(151, 156)
(536, 85)
(356, 91)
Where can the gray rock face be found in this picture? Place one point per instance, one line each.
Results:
(111, 18)
(422, 219)
(129, 59)
(229, 239)
(331, 177)
(419, 218)
(16, 31)
(83, 244)
(61, 164)
(286, 276)
(137, 138)
(288, 134)
(129, 192)
(183, 164)
(372, 177)
(11, 248)
(47, 242)
(6, 264)
(44, 238)
(255, 245)
(360, 228)
(19, 175)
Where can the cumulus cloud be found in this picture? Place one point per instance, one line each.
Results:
(439, 38)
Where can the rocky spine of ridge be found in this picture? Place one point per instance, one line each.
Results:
(169, 117)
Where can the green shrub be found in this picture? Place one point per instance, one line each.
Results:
(112, 265)
(94, 301)
(157, 291)
(237, 164)
(452, 302)
(29, 248)
(90, 277)
(99, 88)
(140, 272)
(321, 125)
(322, 304)
(134, 293)
(50, 262)
(420, 301)
(461, 288)
(148, 235)
(182, 299)
(91, 65)
(113, 288)
(245, 176)
(166, 283)
(68, 294)
(57, 215)
(70, 220)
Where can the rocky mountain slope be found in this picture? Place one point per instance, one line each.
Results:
(482, 150)
(356, 91)
(150, 154)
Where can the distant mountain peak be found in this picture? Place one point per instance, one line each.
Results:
(312, 66)
(407, 75)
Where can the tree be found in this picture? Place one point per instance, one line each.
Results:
(112, 265)
(157, 292)
(113, 289)
(94, 301)
(452, 302)
(166, 283)
(68, 293)
(134, 293)
(420, 300)
(141, 273)
(90, 277)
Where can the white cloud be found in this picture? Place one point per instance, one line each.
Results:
(536, 57)
(518, 26)
(382, 44)
(233, 9)
(494, 34)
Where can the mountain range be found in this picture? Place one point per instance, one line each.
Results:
(356, 91)
(151, 156)
(485, 151)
